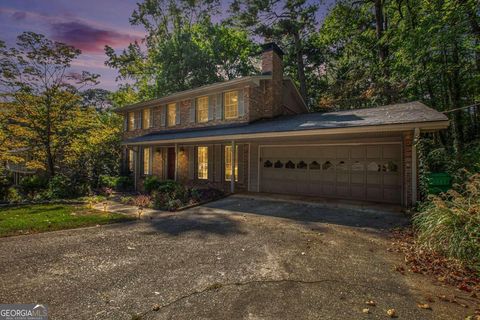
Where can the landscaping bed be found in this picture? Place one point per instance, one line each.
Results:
(29, 219)
(172, 196)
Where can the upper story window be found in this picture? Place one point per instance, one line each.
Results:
(202, 109)
(171, 114)
(202, 160)
(230, 104)
(146, 118)
(131, 121)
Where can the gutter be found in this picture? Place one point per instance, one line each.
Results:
(423, 126)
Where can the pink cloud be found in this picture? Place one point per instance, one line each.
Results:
(89, 38)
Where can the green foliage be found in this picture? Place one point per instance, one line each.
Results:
(426, 50)
(151, 183)
(41, 95)
(30, 185)
(13, 195)
(119, 183)
(289, 23)
(171, 195)
(450, 224)
(184, 49)
(5, 183)
(63, 187)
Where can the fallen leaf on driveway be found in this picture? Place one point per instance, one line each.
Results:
(366, 310)
(424, 306)
(392, 313)
(371, 303)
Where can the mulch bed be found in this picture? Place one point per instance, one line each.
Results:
(447, 271)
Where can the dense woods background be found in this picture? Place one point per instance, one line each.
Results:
(364, 53)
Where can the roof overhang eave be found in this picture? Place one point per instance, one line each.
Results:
(428, 126)
(188, 94)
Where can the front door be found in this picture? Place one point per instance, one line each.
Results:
(171, 164)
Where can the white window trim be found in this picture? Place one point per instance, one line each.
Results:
(197, 109)
(169, 117)
(224, 97)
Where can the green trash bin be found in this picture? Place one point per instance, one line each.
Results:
(439, 182)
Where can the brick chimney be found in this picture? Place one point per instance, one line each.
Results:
(272, 64)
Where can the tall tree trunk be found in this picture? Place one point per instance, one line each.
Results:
(456, 101)
(380, 29)
(300, 65)
(48, 140)
(475, 29)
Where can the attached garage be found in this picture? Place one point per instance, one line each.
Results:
(371, 172)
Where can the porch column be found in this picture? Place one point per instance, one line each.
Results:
(232, 176)
(176, 161)
(136, 166)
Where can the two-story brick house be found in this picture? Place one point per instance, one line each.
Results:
(258, 130)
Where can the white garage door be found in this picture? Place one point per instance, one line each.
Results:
(359, 172)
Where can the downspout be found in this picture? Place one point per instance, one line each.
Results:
(416, 137)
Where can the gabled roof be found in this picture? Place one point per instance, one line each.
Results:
(187, 94)
(401, 116)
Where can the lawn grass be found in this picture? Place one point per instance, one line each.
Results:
(49, 217)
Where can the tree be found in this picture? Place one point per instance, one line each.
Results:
(288, 22)
(100, 99)
(377, 52)
(41, 95)
(184, 49)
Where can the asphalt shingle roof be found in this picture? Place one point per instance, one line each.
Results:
(403, 113)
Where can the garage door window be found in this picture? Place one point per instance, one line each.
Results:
(373, 166)
(342, 166)
(357, 166)
(267, 164)
(301, 165)
(290, 165)
(278, 164)
(327, 165)
(314, 165)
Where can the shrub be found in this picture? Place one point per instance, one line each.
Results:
(142, 201)
(62, 187)
(32, 185)
(450, 224)
(107, 181)
(124, 183)
(172, 195)
(126, 200)
(151, 183)
(121, 183)
(106, 192)
(13, 195)
(5, 184)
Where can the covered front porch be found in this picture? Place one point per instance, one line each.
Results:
(208, 163)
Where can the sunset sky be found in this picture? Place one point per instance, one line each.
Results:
(86, 24)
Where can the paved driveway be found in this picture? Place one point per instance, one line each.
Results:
(235, 258)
